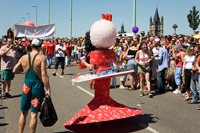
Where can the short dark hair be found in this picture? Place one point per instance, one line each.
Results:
(117, 40)
(9, 38)
(157, 44)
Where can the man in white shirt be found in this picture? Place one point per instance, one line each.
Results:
(60, 56)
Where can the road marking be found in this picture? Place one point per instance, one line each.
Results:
(86, 91)
(148, 128)
(140, 124)
(59, 75)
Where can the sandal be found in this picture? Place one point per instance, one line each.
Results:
(3, 96)
(122, 87)
(131, 89)
(8, 95)
(186, 99)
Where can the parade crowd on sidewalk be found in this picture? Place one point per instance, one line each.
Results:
(160, 63)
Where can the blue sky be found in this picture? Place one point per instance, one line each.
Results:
(86, 12)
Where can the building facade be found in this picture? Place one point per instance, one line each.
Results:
(156, 26)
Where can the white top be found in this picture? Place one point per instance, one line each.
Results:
(188, 61)
(78, 50)
(60, 53)
(155, 51)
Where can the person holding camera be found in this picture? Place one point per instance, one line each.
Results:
(9, 57)
(60, 56)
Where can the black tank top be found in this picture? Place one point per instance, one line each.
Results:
(132, 52)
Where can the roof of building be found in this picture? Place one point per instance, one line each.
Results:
(156, 17)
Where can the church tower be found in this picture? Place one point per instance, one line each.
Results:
(156, 26)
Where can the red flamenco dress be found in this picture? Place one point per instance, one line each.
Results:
(102, 107)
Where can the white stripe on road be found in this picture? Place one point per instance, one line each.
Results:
(59, 75)
(86, 91)
(148, 128)
(141, 124)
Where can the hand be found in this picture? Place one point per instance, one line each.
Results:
(146, 63)
(48, 92)
(82, 59)
(11, 46)
(173, 49)
(182, 75)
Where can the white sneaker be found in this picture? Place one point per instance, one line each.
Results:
(177, 91)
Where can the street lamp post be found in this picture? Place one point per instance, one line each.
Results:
(28, 16)
(49, 13)
(20, 21)
(23, 19)
(134, 15)
(36, 14)
(71, 19)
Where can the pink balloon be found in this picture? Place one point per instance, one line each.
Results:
(29, 23)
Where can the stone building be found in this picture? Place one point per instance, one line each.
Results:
(156, 26)
(122, 30)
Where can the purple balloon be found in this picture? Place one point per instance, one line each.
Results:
(135, 29)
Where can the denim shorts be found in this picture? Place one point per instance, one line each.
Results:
(177, 75)
(132, 65)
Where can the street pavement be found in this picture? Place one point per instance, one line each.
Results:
(164, 113)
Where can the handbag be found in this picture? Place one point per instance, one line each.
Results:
(48, 116)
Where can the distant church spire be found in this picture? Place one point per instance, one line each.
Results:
(156, 26)
(156, 17)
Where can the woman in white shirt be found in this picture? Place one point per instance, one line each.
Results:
(186, 70)
(79, 50)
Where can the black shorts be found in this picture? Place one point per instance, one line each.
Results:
(60, 60)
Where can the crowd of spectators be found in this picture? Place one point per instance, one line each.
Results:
(160, 63)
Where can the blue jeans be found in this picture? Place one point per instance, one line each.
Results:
(49, 60)
(161, 80)
(132, 65)
(79, 55)
(177, 75)
(194, 88)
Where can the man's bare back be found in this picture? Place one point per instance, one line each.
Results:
(39, 67)
(37, 63)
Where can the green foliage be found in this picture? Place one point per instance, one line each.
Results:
(193, 18)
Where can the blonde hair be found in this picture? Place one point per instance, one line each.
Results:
(133, 43)
(188, 51)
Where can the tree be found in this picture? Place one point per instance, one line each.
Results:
(193, 18)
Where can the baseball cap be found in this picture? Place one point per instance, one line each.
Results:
(36, 42)
(157, 40)
(196, 30)
(24, 39)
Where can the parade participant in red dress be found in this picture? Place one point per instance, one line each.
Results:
(102, 107)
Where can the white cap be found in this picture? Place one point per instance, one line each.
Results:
(36, 42)
(157, 40)
(24, 39)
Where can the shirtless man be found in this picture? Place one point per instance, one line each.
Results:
(36, 77)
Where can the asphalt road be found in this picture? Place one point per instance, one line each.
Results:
(166, 113)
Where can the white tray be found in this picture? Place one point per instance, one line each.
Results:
(104, 76)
